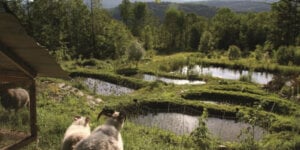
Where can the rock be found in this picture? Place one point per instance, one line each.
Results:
(79, 93)
(61, 85)
(89, 97)
(98, 100)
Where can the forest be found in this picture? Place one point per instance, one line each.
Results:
(191, 61)
(73, 29)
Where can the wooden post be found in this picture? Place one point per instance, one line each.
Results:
(33, 118)
(33, 121)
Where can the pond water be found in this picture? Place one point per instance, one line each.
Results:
(224, 73)
(226, 130)
(150, 78)
(106, 88)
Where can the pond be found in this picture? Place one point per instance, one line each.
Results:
(225, 73)
(106, 88)
(150, 78)
(226, 130)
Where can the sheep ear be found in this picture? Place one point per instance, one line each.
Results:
(76, 118)
(107, 112)
(87, 119)
(122, 116)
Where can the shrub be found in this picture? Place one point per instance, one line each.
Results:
(297, 56)
(285, 55)
(234, 52)
(245, 78)
(206, 42)
(201, 136)
(135, 52)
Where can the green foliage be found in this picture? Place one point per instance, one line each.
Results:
(201, 136)
(286, 27)
(225, 26)
(234, 52)
(148, 37)
(297, 56)
(289, 141)
(254, 119)
(125, 11)
(285, 55)
(270, 103)
(70, 29)
(135, 52)
(245, 78)
(206, 42)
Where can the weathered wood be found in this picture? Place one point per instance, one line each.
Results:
(33, 119)
(20, 144)
(27, 69)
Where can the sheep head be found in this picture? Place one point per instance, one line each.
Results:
(79, 120)
(116, 118)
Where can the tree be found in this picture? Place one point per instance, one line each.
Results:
(286, 14)
(254, 29)
(126, 12)
(135, 52)
(147, 37)
(140, 13)
(285, 54)
(225, 28)
(206, 42)
(174, 26)
(234, 52)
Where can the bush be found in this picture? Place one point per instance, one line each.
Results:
(127, 71)
(245, 78)
(135, 52)
(285, 55)
(234, 52)
(297, 56)
(206, 42)
(258, 52)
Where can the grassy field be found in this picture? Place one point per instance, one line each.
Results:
(56, 106)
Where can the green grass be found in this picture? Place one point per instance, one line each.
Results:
(55, 115)
(56, 108)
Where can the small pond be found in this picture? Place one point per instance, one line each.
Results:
(224, 73)
(150, 78)
(106, 88)
(226, 130)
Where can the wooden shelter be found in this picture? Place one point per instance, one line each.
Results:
(22, 58)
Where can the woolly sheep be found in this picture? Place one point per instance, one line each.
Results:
(106, 136)
(77, 131)
(14, 98)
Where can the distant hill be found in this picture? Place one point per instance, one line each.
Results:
(239, 6)
(158, 9)
(114, 3)
(204, 8)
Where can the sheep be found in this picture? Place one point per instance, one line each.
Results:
(77, 131)
(106, 136)
(14, 98)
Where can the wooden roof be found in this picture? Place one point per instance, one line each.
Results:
(21, 56)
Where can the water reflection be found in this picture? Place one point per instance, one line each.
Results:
(148, 77)
(106, 88)
(224, 73)
(226, 130)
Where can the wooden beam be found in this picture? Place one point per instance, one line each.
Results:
(33, 114)
(15, 59)
(20, 144)
(8, 75)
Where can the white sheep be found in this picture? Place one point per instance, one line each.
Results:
(106, 136)
(14, 98)
(77, 131)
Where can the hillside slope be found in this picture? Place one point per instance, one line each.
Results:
(204, 8)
